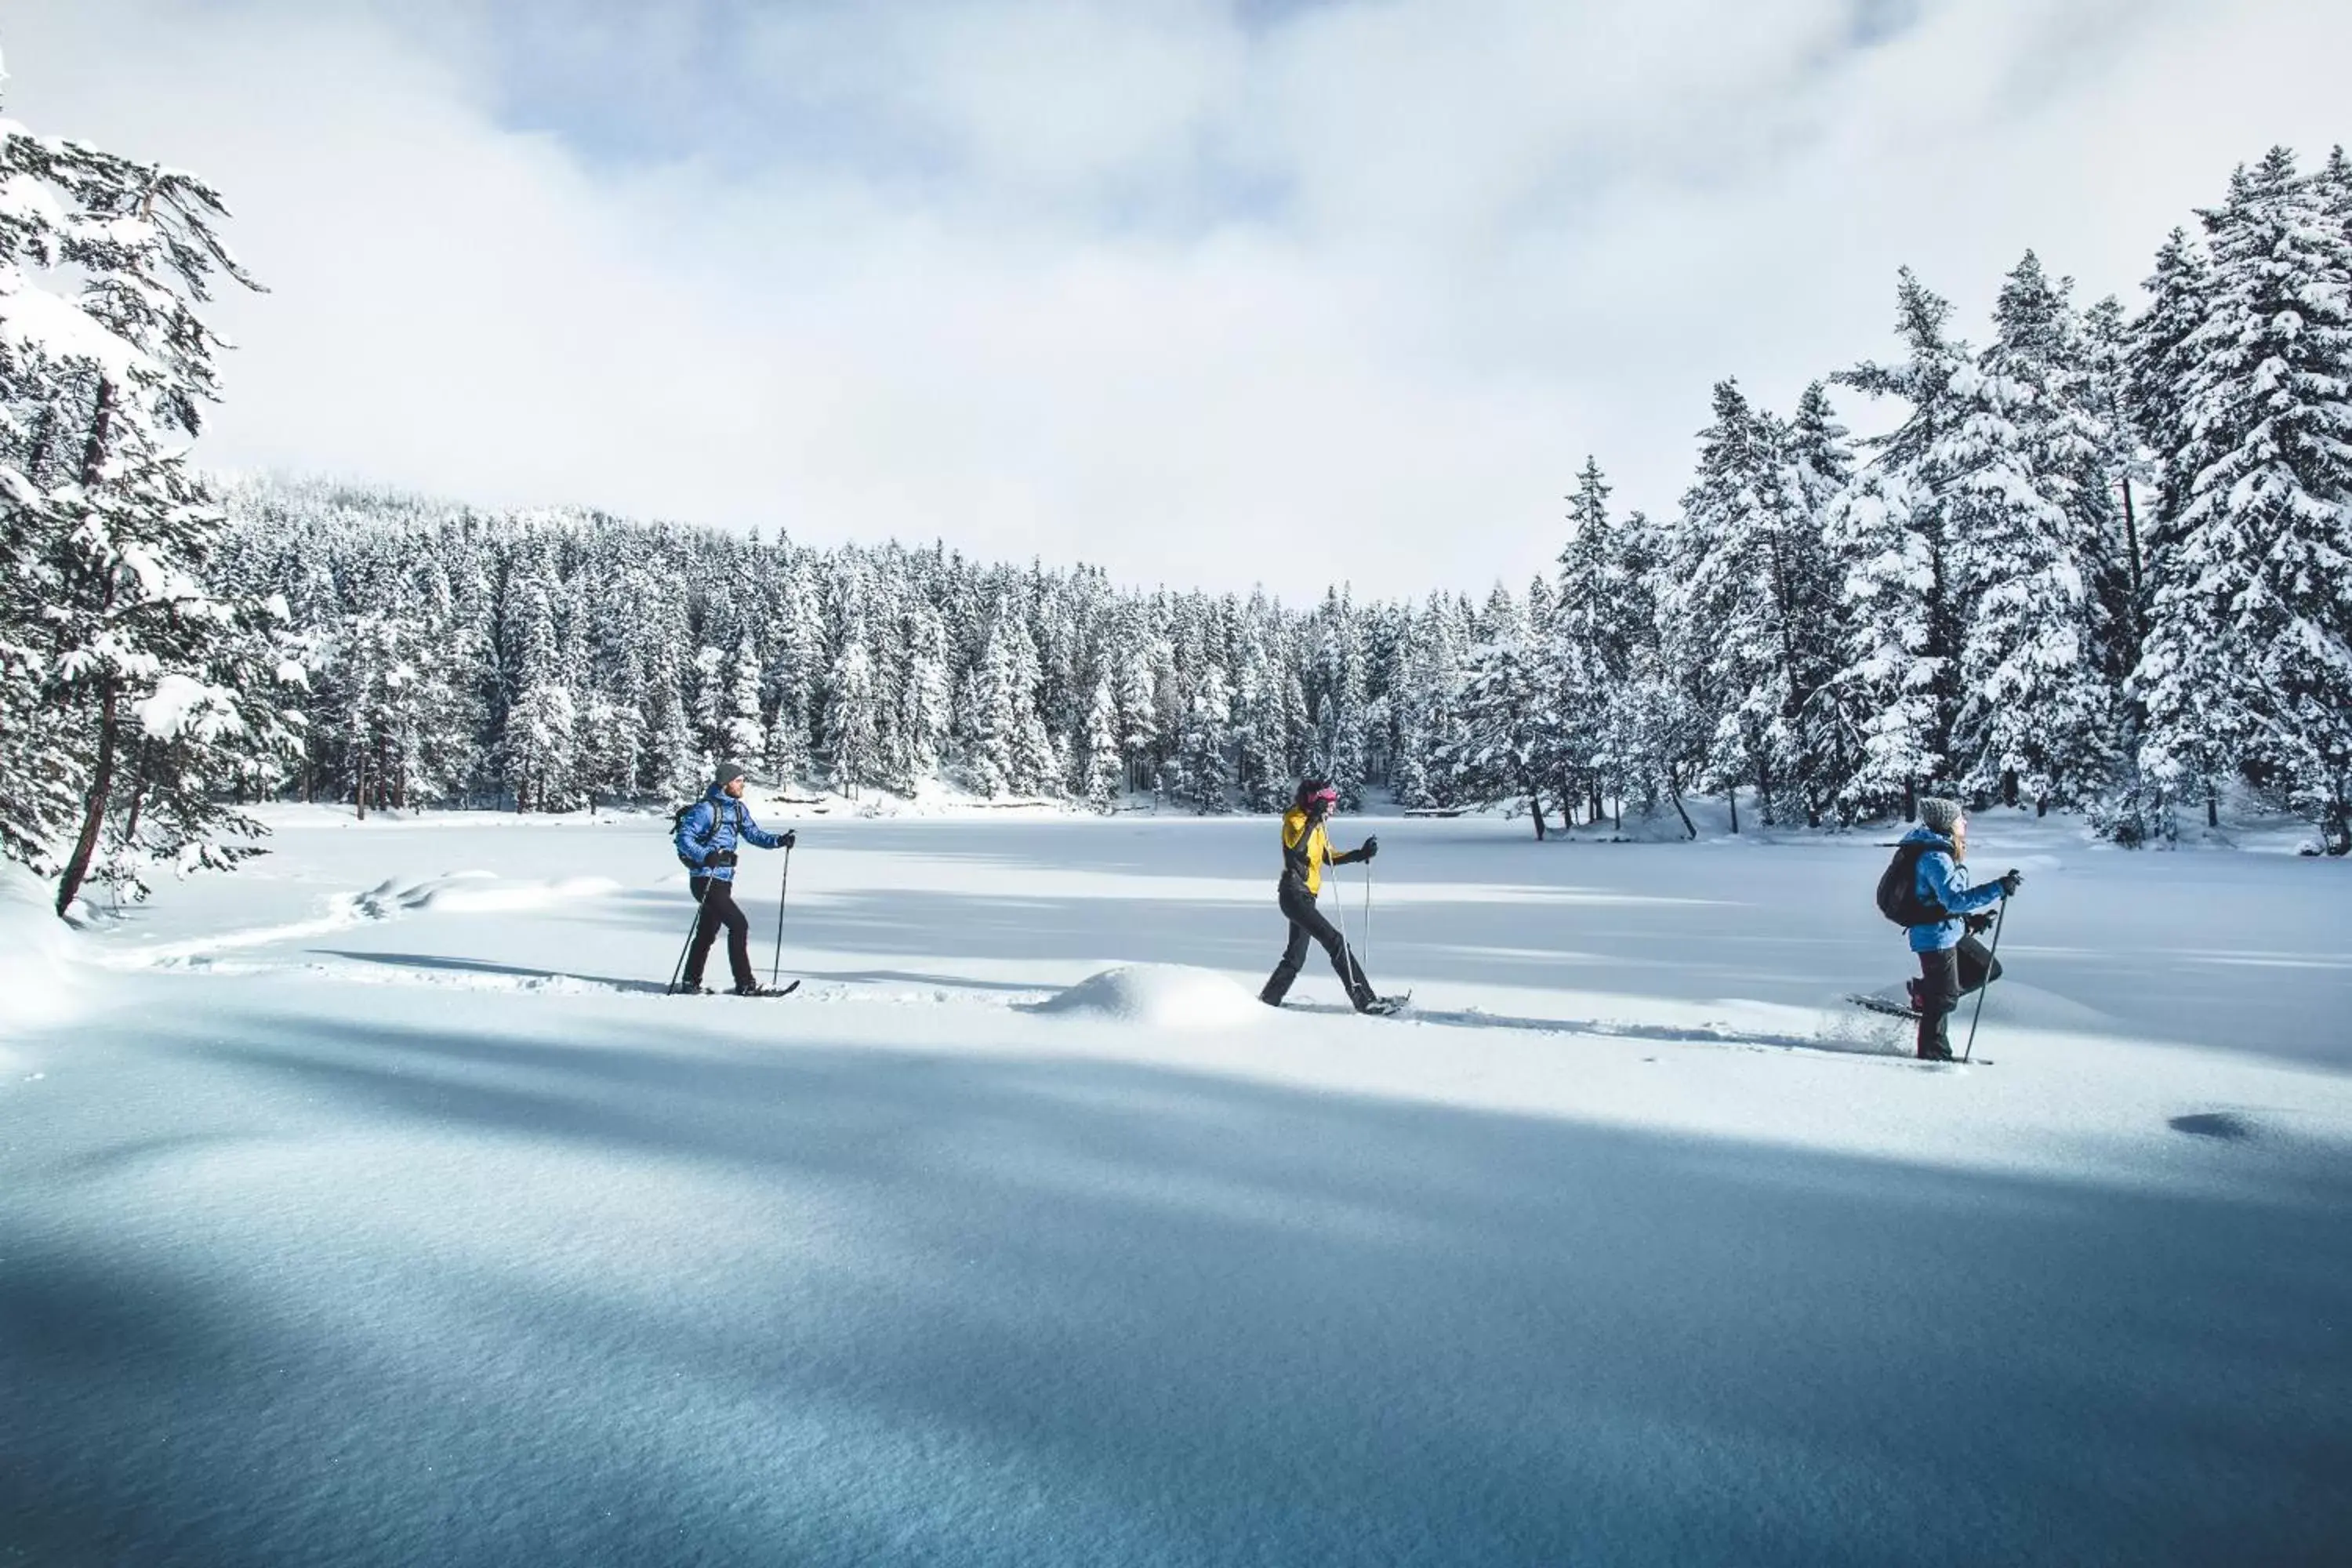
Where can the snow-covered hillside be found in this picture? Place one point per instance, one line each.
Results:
(374, 1205)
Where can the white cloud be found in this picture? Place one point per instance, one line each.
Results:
(1347, 293)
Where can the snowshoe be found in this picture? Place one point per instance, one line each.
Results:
(1881, 1004)
(765, 990)
(1385, 1006)
(682, 989)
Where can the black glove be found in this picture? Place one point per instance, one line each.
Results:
(1371, 847)
(1976, 923)
(711, 857)
(789, 839)
(2011, 880)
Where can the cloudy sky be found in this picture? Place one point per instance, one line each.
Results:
(1206, 291)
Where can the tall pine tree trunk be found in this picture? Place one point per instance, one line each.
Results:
(101, 780)
(2131, 546)
(138, 797)
(1674, 793)
(93, 811)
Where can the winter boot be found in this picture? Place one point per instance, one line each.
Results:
(1934, 1046)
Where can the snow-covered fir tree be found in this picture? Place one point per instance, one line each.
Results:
(1819, 469)
(537, 746)
(133, 697)
(1748, 584)
(1505, 716)
(2027, 503)
(852, 714)
(2248, 661)
(1894, 543)
(1105, 770)
(1203, 757)
(743, 732)
(1585, 656)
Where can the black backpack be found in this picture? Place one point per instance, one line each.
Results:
(678, 821)
(1898, 885)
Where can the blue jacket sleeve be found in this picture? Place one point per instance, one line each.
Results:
(1948, 886)
(754, 831)
(694, 831)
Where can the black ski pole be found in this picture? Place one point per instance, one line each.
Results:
(679, 967)
(1990, 953)
(776, 966)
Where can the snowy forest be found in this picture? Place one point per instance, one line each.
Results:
(2102, 562)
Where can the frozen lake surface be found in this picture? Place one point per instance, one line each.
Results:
(372, 1205)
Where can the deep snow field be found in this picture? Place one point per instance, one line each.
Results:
(372, 1205)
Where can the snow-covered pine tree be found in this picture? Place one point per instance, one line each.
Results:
(1880, 705)
(2152, 373)
(1207, 772)
(674, 764)
(1037, 766)
(2026, 502)
(852, 715)
(2248, 660)
(1747, 578)
(1138, 717)
(2157, 364)
(111, 642)
(2116, 568)
(1260, 771)
(995, 714)
(1502, 706)
(924, 714)
(1410, 704)
(744, 734)
(1104, 770)
(710, 702)
(538, 749)
(612, 740)
(1819, 467)
(1583, 666)
(1893, 545)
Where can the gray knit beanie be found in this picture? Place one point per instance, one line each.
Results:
(1938, 815)
(727, 775)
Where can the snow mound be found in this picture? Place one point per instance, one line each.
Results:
(36, 982)
(1164, 995)
(505, 899)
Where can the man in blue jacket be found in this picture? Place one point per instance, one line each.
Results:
(708, 832)
(1952, 962)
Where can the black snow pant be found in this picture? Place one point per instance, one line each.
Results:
(719, 909)
(1306, 923)
(1944, 978)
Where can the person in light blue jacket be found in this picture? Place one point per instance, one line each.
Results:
(1951, 909)
(707, 833)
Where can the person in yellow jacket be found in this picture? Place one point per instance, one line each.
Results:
(1306, 850)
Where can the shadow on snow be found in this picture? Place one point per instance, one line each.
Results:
(860, 1306)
